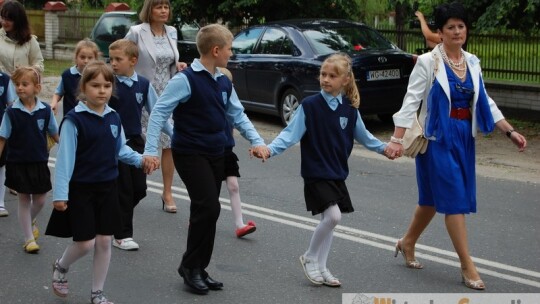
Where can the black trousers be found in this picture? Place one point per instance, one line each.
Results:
(131, 190)
(202, 175)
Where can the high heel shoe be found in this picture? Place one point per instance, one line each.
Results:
(167, 208)
(414, 264)
(476, 285)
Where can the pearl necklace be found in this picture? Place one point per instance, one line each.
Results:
(459, 66)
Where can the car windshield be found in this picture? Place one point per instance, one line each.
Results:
(326, 40)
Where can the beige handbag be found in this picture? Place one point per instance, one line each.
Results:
(414, 141)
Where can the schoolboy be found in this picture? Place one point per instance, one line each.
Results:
(133, 92)
(201, 99)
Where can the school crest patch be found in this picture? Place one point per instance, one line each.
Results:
(343, 122)
(41, 124)
(224, 96)
(1, 90)
(139, 97)
(114, 131)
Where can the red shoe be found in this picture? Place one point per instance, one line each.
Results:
(247, 229)
(251, 223)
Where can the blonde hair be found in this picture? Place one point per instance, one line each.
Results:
(129, 47)
(26, 71)
(343, 66)
(212, 35)
(226, 72)
(146, 12)
(86, 44)
(92, 70)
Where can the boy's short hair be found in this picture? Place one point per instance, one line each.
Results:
(212, 35)
(129, 47)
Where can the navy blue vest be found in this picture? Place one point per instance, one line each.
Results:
(28, 140)
(4, 84)
(329, 139)
(71, 90)
(200, 125)
(128, 102)
(97, 140)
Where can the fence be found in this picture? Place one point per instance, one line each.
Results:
(73, 27)
(514, 58)
(509, 57)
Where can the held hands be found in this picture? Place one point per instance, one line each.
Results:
(261, 151)
(60, 205)
(181, 66)
(393, 150)
(150, 164)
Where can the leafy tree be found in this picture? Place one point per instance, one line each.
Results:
(521, 15)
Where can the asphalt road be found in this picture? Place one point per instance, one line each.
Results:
(263, 267)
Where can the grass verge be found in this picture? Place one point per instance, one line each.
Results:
(55, 67)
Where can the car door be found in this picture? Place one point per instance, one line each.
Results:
(242, 47)
(267, 67)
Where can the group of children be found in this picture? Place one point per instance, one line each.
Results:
(94, 195)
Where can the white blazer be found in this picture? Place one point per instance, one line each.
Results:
(142, 35)
(420, 83)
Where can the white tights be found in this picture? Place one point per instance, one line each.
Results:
(319, 247)
(234, 197)
(2, 187)
(102, 257)
(29, 207)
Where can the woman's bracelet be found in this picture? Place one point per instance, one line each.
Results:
(396, 140)
(509, 133)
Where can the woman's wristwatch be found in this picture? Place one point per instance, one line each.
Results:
(509, 133)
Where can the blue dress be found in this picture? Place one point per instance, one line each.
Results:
(446, 177)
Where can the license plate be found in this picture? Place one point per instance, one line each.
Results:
(383, 75)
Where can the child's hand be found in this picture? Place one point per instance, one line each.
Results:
(393, 150)
(150, 164)
(260, 152)
(60, 205)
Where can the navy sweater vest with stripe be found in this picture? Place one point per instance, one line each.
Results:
(28, 140)
(97, 140)
(129, 102)
(71, 90)
(200, 125)
(329, 139)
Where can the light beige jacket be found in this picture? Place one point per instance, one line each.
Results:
(142, 35)
(420, 83)
(13, 55)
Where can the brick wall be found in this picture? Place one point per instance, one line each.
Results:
(523, 100)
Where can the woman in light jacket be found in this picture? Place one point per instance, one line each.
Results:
(456, 105)
(17, 44)
(158, 62)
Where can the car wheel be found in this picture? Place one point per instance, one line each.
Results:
(289, 103)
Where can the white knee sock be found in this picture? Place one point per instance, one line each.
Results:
(321, 240)
(102, 260)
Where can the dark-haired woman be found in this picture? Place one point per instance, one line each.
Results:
(19, 47)
(456, 105)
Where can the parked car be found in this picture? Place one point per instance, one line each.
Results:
(276, 65)
(112, 26)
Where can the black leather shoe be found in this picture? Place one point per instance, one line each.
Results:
(193, 279)
(212, 284)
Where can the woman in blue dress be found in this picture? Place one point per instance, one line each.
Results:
(456, 105)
